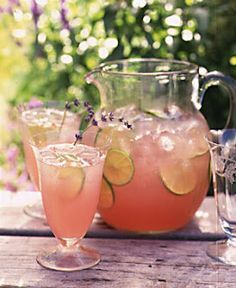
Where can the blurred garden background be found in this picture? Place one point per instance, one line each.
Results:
(47, 46)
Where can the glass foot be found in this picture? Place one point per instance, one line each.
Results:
(223, 251)
(35, 211)
(63, 259)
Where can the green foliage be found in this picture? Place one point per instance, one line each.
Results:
(199, 31)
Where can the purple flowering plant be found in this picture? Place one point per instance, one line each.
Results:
(62, 45)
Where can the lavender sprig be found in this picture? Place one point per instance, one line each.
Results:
(89, 117)
(67, 107)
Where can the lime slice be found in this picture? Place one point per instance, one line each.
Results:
(102, 134)
(73, 180)
(41, 139)
(154, 113)
(179, 177)
(118, 167)
(107, 196)
(120, 139)
(197, 144)
(37, 129)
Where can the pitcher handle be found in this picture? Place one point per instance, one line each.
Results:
(216, 78)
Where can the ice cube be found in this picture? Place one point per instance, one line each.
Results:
(166, 142)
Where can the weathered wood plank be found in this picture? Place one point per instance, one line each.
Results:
(125, 263)
(14, 222)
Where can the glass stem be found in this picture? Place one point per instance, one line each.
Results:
(69, 244)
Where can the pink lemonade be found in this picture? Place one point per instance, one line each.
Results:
(161, 177)
(70, 184)
(40, 120)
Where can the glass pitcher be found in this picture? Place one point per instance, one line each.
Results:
(157, 174)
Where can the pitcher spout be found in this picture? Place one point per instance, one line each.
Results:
(92, 76)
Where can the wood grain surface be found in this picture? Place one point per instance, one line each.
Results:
(125, 263)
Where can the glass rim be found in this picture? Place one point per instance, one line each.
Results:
(57, 132)
(41, 104)
(187, 67)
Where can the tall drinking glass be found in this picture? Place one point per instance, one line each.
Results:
(222, 145)
(46, 116)
(70, 181)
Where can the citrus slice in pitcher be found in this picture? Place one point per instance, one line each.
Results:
(179, 177)
(120, 139)
(197, 144)
(102, 134)
(118, 167)
(107, 196)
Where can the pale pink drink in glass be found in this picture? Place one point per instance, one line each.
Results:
(70, 182)
(38, 120)
(70, 185)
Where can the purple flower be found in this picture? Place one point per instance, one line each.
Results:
(68, 105)
(86, 104)
(10, 186)
(76, 102)
(64, 12)
(36, 12)
(88, 118)
(34, 103)
(111, 116)
(24, 176)
(78, 136)
(104, 118)
(9, 8)
(94, 122)
(91, 112)
(129, 126)
(14, 2)
(12, 154)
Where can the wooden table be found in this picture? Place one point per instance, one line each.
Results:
(175, 259)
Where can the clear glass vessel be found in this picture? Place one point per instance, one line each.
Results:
(163, 171)
(70, 179)
(222, 145)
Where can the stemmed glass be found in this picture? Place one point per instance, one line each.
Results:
(33, 119)
(222, 145)
(70, 179)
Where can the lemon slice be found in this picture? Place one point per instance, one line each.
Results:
(179, 177)
(118, 167)
(107, 196)
(74, 178)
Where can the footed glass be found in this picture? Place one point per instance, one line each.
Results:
(70, 179)
(222, 145)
